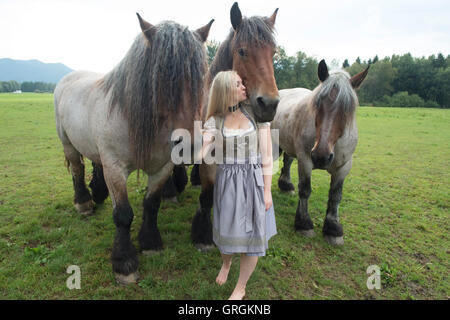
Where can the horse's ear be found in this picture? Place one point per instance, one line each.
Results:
(357, 79)
(147, 28)
(322, 71)
(236, 16)
(203, 32)
(273, 17)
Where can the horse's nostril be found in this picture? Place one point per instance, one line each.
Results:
(330, 158)
(260, 101)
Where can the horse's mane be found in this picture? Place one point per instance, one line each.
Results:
(150, 83)
(344, 96)
(253, 31)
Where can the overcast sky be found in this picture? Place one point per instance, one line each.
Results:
(96, 34)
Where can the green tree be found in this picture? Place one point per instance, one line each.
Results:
(407, 78)
(6, 86)
(305, 71)
(378, 81)
(345, 64)
(211, 50)
(355, 68)
(443, 86)
(283, 69)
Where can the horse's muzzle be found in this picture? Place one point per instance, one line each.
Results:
(322, 161)
(267, 108)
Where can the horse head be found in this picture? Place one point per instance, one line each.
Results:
(182, 67)
(252, 49)
(334, 105)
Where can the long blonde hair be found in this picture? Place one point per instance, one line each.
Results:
(223, 89)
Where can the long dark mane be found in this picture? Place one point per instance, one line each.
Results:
(253, 31)
(150, 85)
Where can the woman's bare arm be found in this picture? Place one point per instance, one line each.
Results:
(265, 145)
(206, 145)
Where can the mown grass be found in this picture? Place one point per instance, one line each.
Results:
(394, 211)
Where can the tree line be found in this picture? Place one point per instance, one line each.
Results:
(11, 86)
(397, 81)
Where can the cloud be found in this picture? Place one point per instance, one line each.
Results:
(95, 35)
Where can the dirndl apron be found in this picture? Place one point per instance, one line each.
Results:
(240, 223)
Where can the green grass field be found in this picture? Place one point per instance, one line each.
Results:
(395, 213)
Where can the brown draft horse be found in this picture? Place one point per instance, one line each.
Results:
(123, 121)
(319, 129)
(249, 50)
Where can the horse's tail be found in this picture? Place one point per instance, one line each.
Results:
(67, 162)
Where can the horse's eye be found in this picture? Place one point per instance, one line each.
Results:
(241, 52)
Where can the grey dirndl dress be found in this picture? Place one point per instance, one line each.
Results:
(240, 223)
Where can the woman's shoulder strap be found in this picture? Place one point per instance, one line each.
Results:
(247, 109)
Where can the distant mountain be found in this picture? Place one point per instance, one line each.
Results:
(31, 70)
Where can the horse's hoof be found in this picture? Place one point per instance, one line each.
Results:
(286, 187)
(85, 209)
(307, 233)
(127, 279)
(334, 241)
(150, 253)
(204, 247)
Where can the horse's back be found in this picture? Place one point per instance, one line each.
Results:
(74, 82)
(76, 97)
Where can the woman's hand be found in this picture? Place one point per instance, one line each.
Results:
(267, 198)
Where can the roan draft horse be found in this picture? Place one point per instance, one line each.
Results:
(319, 129)
(123, 121)
(249, 50)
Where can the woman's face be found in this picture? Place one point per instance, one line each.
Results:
(240, 92)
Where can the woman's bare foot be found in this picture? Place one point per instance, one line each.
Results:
(238, 294)
(223, 274)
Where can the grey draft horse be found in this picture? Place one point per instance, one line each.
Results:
(123, 121)
(319, 129)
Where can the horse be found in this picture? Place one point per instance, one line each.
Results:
(122, 121)
(256, 44)
(318, 128)
(249, 50)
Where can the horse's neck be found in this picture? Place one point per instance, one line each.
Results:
(222, 61)
(216, 66)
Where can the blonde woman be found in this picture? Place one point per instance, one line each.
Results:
(244, 218)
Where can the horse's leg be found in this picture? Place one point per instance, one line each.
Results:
(124, 255)
(169, 191)
(175, 184)
(180, 178)
(149, 237)
(303, 222)
(98, 184)
(332, 229)
(195, 175)
(82, 199)
(284, 182)
(201, 231)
